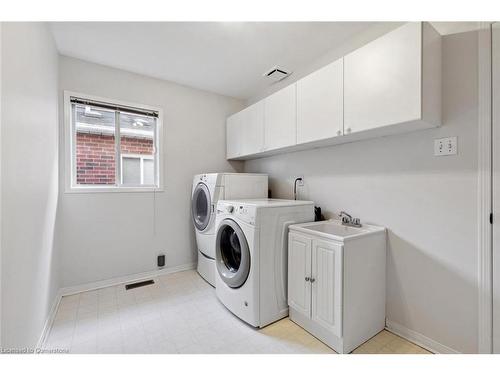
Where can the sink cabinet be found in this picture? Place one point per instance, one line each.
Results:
(336, 287)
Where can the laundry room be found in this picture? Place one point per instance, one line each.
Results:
(201, 186)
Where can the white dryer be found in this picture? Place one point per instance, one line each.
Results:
(207, 190)
(251, 256)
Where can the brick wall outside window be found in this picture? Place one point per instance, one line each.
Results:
(95, 156)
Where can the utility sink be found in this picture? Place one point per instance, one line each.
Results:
(335, 230)
(340, 272)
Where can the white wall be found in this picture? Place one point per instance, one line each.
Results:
(1, 25)
(107, 235)
(29, 155)
(427, 203)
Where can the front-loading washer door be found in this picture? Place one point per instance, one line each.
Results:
(232, 255)
(201, 206)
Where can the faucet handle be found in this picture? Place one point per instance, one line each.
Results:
(347, 219)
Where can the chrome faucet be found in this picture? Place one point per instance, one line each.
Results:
(348, 220)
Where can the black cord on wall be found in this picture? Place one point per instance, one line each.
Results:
(295, 187)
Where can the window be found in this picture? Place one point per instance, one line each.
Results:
(137, 170)
(112, 145)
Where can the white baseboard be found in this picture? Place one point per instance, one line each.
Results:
(103, 284)
(124, 279)
(419, 339)
(49, 320)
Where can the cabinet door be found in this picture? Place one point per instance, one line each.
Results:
(320, 104)
(234, 125)
(299, 268)
(280, 119)
(382, 80)
(252, 137)
(327, 285)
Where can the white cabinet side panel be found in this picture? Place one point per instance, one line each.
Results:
(233, 136)
(364, 289)
(431, 75)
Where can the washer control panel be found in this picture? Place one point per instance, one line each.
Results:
(242, 212)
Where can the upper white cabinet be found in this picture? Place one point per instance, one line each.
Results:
(280, 119)
(245, 132)
(390, 85)
(253, 129)
(234, 127)
(320, 104)
(387, 81)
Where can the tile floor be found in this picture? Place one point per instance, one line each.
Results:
(180, 314)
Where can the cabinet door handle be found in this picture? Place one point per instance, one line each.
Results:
(307, 278)
(313, 279)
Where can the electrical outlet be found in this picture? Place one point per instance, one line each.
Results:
(445, 146)
(160, 260)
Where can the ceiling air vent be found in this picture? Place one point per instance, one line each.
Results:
(277, 73)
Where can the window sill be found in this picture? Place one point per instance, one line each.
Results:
(114, 189)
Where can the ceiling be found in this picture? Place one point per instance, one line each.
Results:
(446, 28)
(228, 58)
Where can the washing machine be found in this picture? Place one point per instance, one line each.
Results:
(207, 190)
(251, 249)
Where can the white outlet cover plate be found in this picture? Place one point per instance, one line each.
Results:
(445, 146)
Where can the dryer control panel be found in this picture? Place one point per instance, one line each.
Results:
(207, 178)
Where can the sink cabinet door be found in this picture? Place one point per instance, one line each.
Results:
(299, 268)
(327, 285)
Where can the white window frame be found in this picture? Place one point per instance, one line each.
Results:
(70, 147)
(141, 158)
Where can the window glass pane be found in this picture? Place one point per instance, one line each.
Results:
(137, 137)
(149, 172)
(131, 169)
(94, 145)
